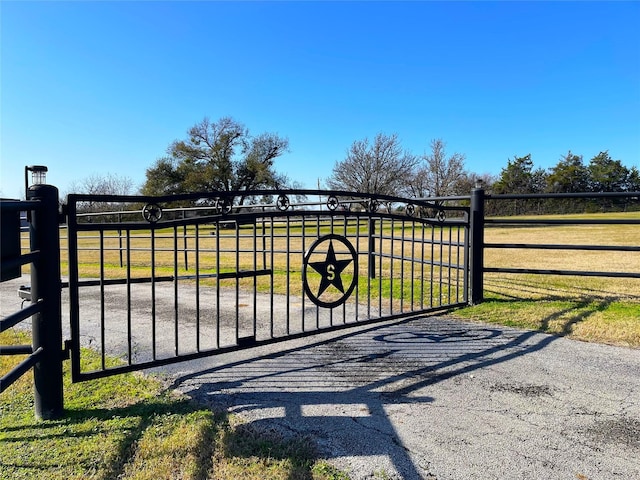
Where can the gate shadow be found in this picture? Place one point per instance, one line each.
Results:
(339, 390)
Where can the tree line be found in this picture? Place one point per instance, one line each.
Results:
(570, 175)
(224, 156)
(382, 166)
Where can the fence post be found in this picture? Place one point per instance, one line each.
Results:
(477, 245)
(46, 329)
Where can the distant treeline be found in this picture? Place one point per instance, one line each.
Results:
(570, 175)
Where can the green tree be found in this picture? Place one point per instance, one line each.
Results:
(218, 156)
(519, 177)
(607, 175)
(633, 181)
(570, 175)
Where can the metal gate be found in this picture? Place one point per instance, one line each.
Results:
(156, 280)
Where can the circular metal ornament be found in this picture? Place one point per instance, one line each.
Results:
(332, 203)
(223, 205)
(152, 212)
(411, 209)
(323, 259)
(373, 206)
(441, 216)
(283, 203)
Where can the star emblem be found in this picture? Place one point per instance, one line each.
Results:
(152, 212)
(330, 270)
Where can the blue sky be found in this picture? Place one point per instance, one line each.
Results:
(97, 88)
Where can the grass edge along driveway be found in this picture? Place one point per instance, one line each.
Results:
(131, 427)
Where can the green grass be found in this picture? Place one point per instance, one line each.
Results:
(595, 309)
(586, 309)
(130, 427)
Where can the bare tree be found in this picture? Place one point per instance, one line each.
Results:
(438, 175)
(473, 180)
(381, 167)
(109, 184)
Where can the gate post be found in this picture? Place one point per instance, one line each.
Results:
(477, 245)
(46, 327)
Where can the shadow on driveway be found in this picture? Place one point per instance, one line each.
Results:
(367, 396)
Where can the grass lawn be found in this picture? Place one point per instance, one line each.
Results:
(130, 427)
(595, 309)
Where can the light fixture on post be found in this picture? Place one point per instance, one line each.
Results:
(38, 175)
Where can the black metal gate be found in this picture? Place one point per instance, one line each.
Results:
(156, 280)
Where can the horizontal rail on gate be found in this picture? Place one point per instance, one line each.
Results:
(171, 278)
(230, 234)
(426, 241)
(16, 349)
(450, 225)
(425, 261)
(20, 205)
(443, 199)
(344, 195)
(236, 218)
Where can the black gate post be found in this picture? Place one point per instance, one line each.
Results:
(477, 245)
(46, 328)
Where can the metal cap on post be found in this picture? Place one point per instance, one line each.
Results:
(477, 244)
(46, 288)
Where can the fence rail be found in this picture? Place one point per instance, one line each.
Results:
(632, 197)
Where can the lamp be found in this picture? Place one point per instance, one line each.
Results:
(38, 175)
